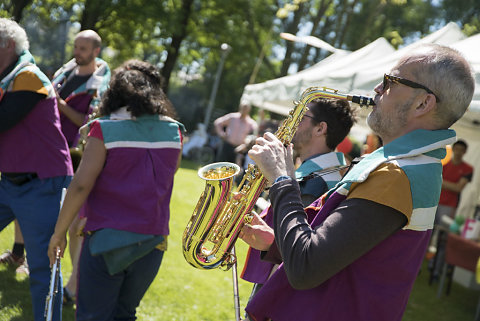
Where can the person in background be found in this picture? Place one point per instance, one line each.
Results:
(125, 179)
(350, 148)
(325, 124)
(233, 128)
(79, 84)
(456, 175)
(372, 143)
(242, 159)
(35, 162)
(360, 256)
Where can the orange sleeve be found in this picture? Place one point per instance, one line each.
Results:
(387, 185)
(29, 81)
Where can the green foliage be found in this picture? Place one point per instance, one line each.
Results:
(153, 30)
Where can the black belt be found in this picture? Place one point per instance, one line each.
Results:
(19, 178)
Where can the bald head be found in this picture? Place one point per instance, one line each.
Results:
(90, 35)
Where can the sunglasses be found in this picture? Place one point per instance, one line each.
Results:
(388, 78)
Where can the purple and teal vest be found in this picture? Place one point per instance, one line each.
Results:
(377, 285)
(36, 144)
(133, 191)
(84, 98)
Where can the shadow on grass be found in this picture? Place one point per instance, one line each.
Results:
(15, 297)
(12, 294)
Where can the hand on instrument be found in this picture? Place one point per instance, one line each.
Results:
(257, 234)
(272, 158)
(55, 242)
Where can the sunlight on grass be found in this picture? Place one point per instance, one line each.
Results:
(181, 292)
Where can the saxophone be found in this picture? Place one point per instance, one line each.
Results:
(219, 215)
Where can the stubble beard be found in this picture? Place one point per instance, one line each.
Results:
(86, 61)
(388, 125)
(300, 140)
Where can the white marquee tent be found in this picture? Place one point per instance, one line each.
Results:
(358, 72)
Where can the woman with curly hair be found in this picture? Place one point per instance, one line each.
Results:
(124, 181)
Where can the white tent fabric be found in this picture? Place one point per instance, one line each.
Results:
(345, 71)
(358, 72)
(277, 95)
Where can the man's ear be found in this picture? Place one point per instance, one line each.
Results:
(426, 105)
(97, 51)
(321, 128)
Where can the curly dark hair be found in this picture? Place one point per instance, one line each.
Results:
(339, 116)
(137, 85)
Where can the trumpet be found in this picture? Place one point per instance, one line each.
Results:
(219, 215)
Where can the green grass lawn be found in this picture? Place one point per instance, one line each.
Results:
(182, 292)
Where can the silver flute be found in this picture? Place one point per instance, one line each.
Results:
(53, 290)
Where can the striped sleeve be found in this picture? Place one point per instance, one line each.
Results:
(387, 185)
(29, 81)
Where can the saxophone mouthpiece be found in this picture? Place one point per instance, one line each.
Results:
(362, 101)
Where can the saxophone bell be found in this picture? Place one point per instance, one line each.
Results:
(204, 234)
(213, 229)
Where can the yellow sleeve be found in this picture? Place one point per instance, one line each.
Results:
(29, 81)
(387, 185)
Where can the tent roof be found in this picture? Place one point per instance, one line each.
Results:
(357, 72)
(278, 94)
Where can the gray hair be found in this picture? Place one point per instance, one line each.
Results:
(448, 74)
(11, 30)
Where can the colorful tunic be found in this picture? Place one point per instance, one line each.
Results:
(132, 193)
(376, 286)
(36, 144)
(83, 99)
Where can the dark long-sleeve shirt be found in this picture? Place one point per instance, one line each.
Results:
(313, 255)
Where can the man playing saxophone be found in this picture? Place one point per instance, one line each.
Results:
(324, 125)
(359, 257)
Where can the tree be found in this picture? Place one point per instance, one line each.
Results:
(465, 12)
(14, 8)
(183, 37)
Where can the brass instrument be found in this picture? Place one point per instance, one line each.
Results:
(219, 215)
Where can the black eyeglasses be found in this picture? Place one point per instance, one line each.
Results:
(308, 116)
(406, 82)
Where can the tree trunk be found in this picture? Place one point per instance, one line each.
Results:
(348, 18)
(18, 7)
(94, 10)
(321, 11)
(292, 28)
(173, 51)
